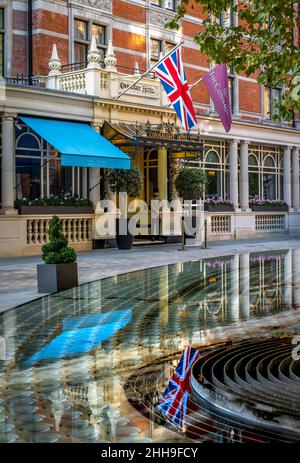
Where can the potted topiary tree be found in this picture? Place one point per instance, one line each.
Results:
(190, 183)
(190, 186)
(131, 182)
(59, 271)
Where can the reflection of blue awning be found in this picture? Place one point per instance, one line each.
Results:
(79, 144)
(82, 335)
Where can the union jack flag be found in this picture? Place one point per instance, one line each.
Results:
(172, 76)
(174, 400)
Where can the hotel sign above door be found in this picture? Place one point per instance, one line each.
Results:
(144, 90)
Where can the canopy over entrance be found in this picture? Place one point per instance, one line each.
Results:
(79, 144)
(163, 134)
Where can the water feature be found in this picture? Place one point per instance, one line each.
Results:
(66, 360)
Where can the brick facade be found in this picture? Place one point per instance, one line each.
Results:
(130, 25)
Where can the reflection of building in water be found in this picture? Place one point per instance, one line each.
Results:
(296, 277)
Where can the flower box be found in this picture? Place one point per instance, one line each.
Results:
(55, 210)
(269, 208)
(218, 207)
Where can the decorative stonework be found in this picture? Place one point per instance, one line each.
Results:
(110, 59)
(105, 5)
(54, 63)
(93, 55)
(158, 18)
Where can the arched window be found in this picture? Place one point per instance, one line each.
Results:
(212, 166)
(39, 173)
(269, 177)
(28, 165)
(253, 176)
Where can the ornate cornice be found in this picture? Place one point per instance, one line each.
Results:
(104, 5)
(158, 18)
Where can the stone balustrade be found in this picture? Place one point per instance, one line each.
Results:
(107, 83)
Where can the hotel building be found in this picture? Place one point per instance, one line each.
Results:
(69, 60)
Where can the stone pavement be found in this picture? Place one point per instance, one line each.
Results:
(18, 274)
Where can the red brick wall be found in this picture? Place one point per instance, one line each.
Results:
(43, 44)
(128, 11)
(249, 96)
(249, 92)
(133, 42)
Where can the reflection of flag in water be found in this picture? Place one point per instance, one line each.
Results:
(174, 401)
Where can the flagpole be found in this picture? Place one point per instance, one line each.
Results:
(190, 87)
(149, 70)
(195, 83)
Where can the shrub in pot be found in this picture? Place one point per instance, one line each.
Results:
(190, 185)
(131, 182)
(59, 272)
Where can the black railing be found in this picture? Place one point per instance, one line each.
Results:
(71, 67)
(20, 79)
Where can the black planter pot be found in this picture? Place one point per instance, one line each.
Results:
(56, 277)
(54, 210)
(219, 208)
(123, 241)
(262, 208)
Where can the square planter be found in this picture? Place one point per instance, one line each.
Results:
(262, 208)
(56, 277)
(55, 210)
(219, 208)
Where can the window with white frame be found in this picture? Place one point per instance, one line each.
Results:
(272, 97)
(167, 4)
(83, 32)
(227, 17)
(157, 47)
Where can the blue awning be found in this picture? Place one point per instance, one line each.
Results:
(79, 144)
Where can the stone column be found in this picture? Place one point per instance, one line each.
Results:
(296, 278)
(234, 307)
(233, 175)
(163, 294)
(162, 171)
(8, 164)
(244, 177)
(287, 279)
(295, 178)
(245, 285)
(287, 175)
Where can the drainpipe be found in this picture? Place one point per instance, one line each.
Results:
(29, 42)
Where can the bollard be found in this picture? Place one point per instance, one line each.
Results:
(182, 235)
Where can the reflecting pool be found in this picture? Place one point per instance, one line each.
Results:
(80, 366)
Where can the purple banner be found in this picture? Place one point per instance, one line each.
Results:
(217, 83)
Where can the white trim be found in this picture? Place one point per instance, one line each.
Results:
(53, 6)
(130, 52)
(17, 32)
(19, 5)
(53, 34)
(195, 66)
(247, 79)
(129, 26)
(140, 3)
(193, 19)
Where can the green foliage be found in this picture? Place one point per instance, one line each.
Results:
(129, 181)
(262, 43)
(57, 250)
(190, 183)
(70, 201)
